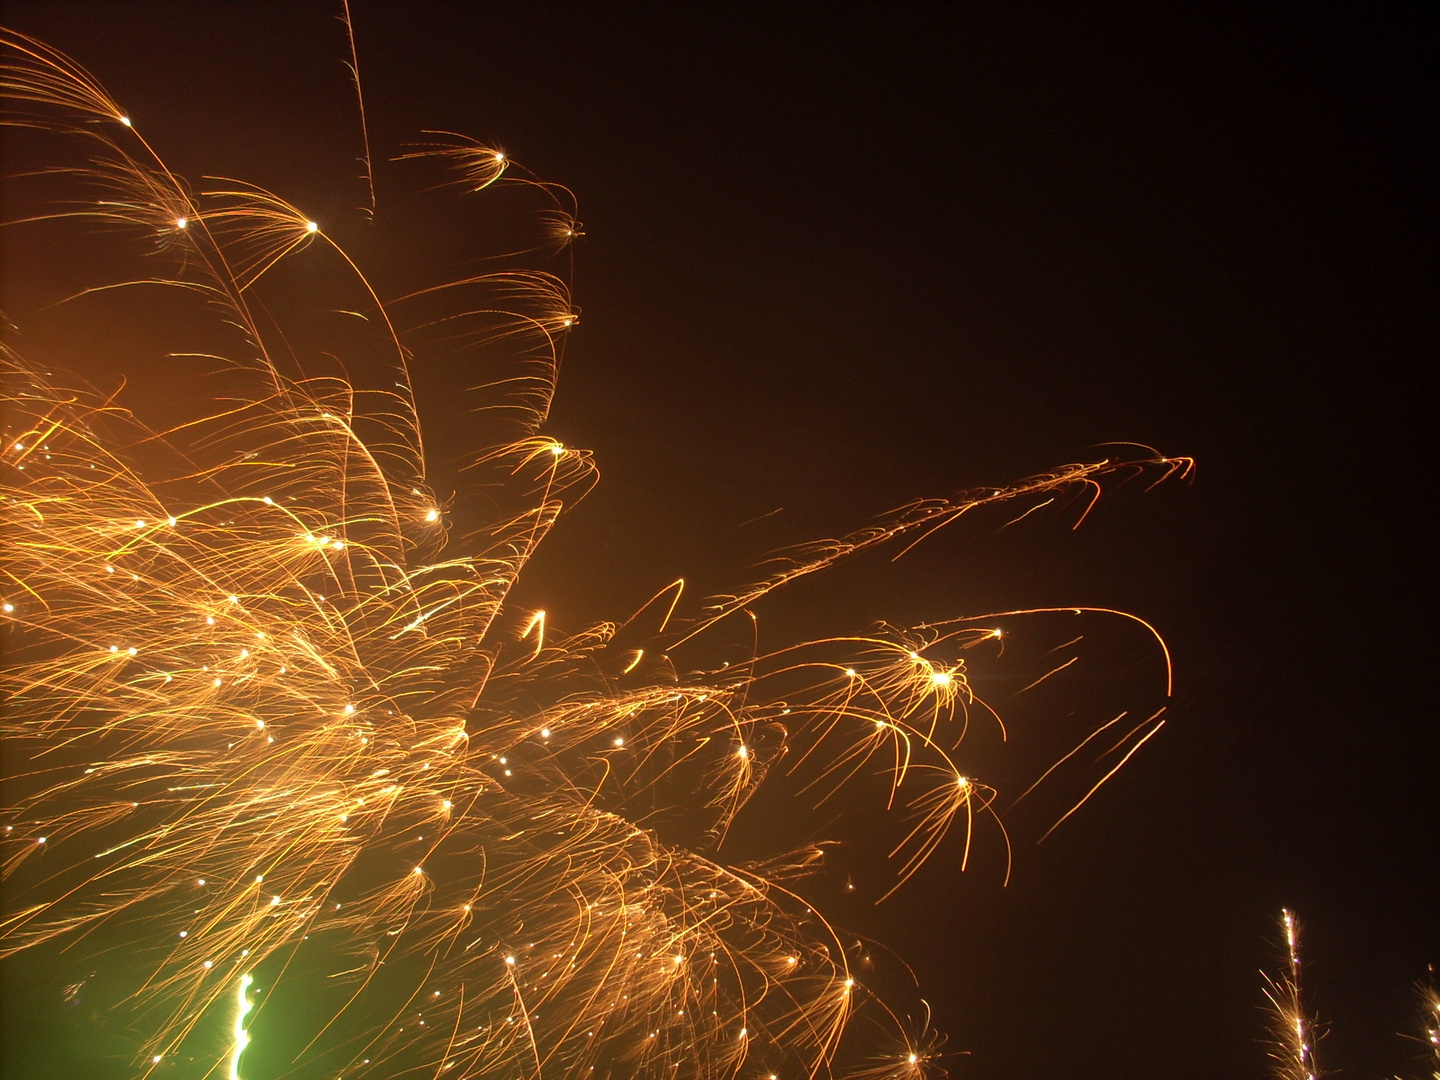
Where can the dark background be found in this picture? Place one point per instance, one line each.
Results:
(839, 257)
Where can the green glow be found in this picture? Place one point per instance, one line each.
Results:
(242, 1037)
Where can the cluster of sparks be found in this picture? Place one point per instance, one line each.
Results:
(279, 734)
(1292, 1029)
(1430, 1025)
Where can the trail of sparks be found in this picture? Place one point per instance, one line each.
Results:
(1293, 1030)
(354, 67)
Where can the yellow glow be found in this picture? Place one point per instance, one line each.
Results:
(239, 1037)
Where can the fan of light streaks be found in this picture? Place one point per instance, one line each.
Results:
(268, 720)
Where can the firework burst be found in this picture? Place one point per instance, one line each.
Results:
(278, 746)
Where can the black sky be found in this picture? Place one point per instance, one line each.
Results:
(839, 257)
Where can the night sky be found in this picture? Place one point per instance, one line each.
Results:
(841, 257)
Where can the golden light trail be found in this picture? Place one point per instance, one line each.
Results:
(1293, 1031)
(269, 718)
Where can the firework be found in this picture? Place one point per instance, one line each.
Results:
(1428, 1002)
(1293, 1030)
(278, 747)
(1430, 1024)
